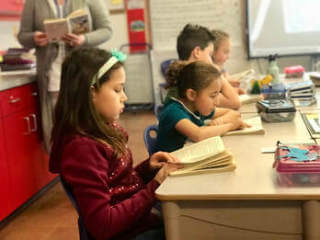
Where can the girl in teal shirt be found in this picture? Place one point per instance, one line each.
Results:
(183, 118)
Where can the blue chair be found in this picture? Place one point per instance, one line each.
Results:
(149, 140)
(83, 234)
(165, 65)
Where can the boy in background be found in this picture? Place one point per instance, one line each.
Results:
(195, 43)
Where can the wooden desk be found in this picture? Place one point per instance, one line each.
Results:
(247, 203)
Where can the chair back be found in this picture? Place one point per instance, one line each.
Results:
(83, 234)
(165, 65)
(149, 140)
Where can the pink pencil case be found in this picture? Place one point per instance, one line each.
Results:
(297, 165)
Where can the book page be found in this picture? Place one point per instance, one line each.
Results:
(200, 150)
(256, 128)
(79, 21)
(243, 74)
(56, 28)
(246, 99)
(218, 169)
(79, 24)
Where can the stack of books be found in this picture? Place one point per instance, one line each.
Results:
(302, 93)
(17, 59)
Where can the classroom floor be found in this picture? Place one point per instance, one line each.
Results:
(52, 217)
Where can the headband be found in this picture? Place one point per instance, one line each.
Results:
(116, 57)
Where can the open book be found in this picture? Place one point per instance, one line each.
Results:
(246, 99)
(242, 75)
(205, 156)
(256, 128)
(76, 22)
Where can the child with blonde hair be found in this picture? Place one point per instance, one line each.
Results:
(222, 48)
(90, 150)
(198, 84)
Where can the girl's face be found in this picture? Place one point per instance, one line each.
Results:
(221, 54)
(110, 98)
(206, 100)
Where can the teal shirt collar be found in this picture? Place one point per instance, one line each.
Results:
(185, 107)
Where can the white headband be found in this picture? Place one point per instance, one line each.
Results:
(105, 67)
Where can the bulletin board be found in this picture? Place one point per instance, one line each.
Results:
(168, 17)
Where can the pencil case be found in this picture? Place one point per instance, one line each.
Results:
(297, 165)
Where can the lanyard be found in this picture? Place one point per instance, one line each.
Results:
(61, 6)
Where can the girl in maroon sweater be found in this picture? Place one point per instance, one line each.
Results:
(90, 150)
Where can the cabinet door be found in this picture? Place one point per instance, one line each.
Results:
(5, 199)
(22, 170)
(37, 151)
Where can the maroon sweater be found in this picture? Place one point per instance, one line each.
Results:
(114, 198)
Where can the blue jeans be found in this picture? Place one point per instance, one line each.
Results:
(154, 234)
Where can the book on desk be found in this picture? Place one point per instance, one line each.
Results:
(206, 156)
(312, 122)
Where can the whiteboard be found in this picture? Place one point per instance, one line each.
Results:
(168, 17)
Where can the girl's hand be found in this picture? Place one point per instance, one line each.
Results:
(165, 170)
(74, 40)
(40, 39)
(241, 91)
(234, 82)
(228, 117)
(160, 159)
(239, 124)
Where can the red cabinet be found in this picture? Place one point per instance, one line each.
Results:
(27, 162)
(5, 199)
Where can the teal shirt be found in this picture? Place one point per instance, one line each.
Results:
(168, 138)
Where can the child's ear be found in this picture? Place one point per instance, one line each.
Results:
(196, 52)
(191, 94)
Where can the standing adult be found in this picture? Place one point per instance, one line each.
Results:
(50, 55)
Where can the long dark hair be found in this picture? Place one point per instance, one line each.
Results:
(75, 112)
(195, 75)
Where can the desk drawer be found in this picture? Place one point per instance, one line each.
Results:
(16, 99)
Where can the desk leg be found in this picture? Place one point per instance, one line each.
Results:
(311, 220)
(171, 213)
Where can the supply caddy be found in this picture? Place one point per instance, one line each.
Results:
(276, 110)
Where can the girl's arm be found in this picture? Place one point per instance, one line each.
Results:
(196, 133)
(145, 172)
(85, 168)
(224, 115)
(228, 97)
(235, 82)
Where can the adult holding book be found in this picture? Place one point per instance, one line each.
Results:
(50, 54)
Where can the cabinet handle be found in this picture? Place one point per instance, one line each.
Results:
(34, 94)
(15, 100)
(28, 125)
(35, 126)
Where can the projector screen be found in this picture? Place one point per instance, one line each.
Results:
(283, 27)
